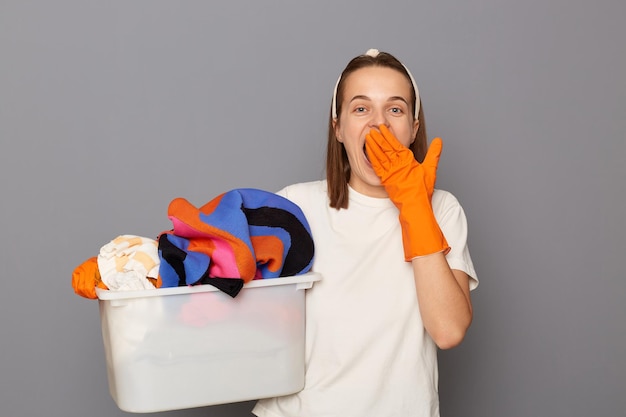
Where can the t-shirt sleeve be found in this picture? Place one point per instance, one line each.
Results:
(283, 192)
(453, 224)
(305, 194)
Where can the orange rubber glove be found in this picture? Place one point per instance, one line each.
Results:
(410, 186)
(86, 277)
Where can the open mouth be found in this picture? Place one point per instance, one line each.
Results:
(365, 153)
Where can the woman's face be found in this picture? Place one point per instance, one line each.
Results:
(373, 96)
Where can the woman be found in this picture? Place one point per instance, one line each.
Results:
(392, 251)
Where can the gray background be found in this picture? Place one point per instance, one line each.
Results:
(109, 109)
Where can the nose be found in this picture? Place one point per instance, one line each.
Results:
(378, 118)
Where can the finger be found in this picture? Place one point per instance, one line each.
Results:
(434, 152)
(376, 137)
(390, 138)
(374, 151)
(376, 141)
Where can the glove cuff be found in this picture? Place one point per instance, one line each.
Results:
(422, 236)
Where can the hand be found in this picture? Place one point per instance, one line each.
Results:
(410, 186)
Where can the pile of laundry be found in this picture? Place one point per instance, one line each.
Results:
(240, 235)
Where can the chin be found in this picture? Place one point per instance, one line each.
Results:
(375, 182)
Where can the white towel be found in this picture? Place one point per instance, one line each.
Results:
(127, 261)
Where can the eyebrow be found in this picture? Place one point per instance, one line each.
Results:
(390, 99)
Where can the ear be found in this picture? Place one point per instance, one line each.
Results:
(336, 130)
(416, 125)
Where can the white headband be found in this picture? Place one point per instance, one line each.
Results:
(374, 53)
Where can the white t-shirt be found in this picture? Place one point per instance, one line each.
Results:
(367, 352)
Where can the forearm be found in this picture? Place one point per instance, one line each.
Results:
(444, 300)
(443, 294)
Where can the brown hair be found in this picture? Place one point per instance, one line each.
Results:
(337, 166)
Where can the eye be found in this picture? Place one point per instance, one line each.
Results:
(359, 109)
(396, 110)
